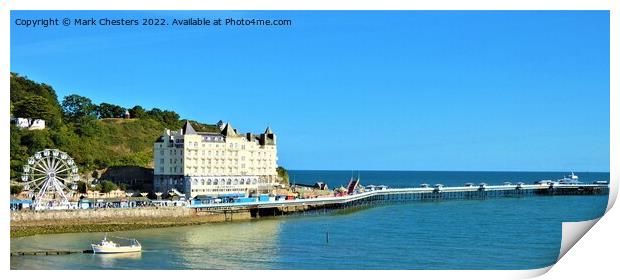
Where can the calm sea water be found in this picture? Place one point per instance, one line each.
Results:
(503, 233)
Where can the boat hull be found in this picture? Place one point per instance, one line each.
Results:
(115, 250)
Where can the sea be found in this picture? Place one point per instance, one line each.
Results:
(498, 233)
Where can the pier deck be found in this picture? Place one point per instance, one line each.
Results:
(391, 195)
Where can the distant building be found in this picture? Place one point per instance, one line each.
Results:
(30, 124)
(207, 163)
(126, 115)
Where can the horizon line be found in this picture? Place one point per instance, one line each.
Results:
(401, 170)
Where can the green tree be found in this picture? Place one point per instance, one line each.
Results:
(36, 140)
(137, 112)
(18, 152)
(170, 118)
(282, 174)
(82, 188)
(23, 89)
(155, 114)
(16, 188)
(75, 106)
(33, 107)
(107, 110)
(107, 186)
(86, 126)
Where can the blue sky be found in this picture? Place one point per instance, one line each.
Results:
(438, 90)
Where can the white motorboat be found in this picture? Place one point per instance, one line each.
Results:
(107, 246)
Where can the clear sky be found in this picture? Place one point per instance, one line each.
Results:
(357, 90)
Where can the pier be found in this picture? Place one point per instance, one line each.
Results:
(50, 252)
(400, 195)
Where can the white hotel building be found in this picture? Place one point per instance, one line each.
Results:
(212, 164)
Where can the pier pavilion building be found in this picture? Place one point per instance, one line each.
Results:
(214, 163)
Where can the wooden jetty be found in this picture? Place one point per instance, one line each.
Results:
(50, 252)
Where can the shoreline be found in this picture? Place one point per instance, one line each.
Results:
(26, 223)
(30, 230)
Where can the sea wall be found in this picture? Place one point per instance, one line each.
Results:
(26, 222)
(102, 213)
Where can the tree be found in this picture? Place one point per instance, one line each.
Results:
(18, 152)
(23, 90)
(107, 110)
(82, 188)
(170, 118)
(36, 140)
(107, 186)
(33, 107)
(137, 112)
(16, 189)
(75, 106)
(282, 174)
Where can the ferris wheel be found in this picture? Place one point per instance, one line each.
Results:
(51, 176)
